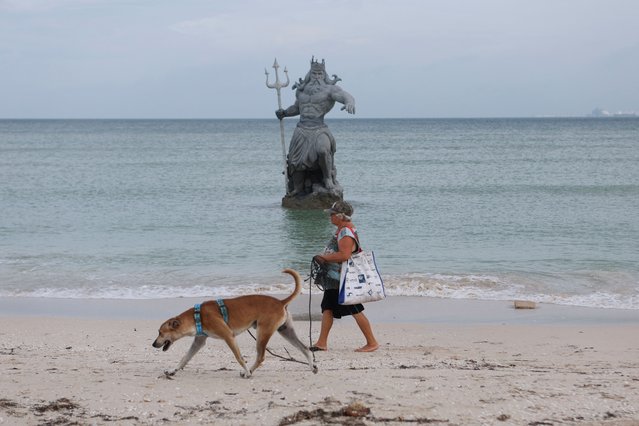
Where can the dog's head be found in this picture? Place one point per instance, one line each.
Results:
(169, 332)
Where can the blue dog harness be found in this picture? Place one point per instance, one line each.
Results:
(198, 321)
(223, 310)
(198, 316)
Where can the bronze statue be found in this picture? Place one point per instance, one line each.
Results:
(310, 165)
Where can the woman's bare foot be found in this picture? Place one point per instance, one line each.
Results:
(368, 348)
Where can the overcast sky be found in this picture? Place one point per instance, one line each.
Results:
(398, 58)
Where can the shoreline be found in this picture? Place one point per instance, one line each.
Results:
(394, 309)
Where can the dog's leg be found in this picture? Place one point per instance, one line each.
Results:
(264, 334)
(230, 341)
(197, 344)
(288, 332)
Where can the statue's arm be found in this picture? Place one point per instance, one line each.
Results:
(342, 96)
(291, 111)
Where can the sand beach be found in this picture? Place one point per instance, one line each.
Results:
(448, 362)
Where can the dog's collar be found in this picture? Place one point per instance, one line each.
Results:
(223, 310)
(198, 320)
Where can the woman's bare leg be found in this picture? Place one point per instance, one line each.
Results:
(327, 323)
(365, 326)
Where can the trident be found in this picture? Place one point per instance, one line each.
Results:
(277, 86)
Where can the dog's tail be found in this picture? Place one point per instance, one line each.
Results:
(298, 286)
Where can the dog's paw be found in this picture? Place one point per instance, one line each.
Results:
(245, 374)
(169, 373)
(315, 369)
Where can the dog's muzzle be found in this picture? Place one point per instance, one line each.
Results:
(165, 346)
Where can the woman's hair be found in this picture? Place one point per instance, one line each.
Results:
(343, 216)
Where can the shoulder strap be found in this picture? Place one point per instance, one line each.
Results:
(358, 247)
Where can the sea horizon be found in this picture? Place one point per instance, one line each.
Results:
(631, 115)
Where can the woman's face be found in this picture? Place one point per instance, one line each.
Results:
(334, 219)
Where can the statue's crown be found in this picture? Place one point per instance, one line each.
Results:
(317, 66)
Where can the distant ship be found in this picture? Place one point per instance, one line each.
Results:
(598, 112)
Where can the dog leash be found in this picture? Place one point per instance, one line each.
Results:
(310, 321)
(290, 358)
(317, 271)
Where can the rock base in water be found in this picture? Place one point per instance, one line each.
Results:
(312, 201)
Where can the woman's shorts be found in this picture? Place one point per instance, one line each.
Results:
(329, 301)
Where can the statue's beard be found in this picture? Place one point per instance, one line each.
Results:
(314, 86)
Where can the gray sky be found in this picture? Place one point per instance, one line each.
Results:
(399, 58)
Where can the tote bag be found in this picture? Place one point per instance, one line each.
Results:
(360, 281)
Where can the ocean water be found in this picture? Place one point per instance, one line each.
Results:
(538, 209)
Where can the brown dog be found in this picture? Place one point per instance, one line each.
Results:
(267, 314)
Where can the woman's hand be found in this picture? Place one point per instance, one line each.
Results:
(346, 247)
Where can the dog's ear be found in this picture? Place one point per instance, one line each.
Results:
(174, 323)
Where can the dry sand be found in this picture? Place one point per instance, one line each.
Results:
(440, 362)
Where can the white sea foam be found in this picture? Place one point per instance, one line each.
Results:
(479, 287)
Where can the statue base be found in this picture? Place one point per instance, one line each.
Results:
(312, 201)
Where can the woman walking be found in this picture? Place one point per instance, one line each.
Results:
(344, 243)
